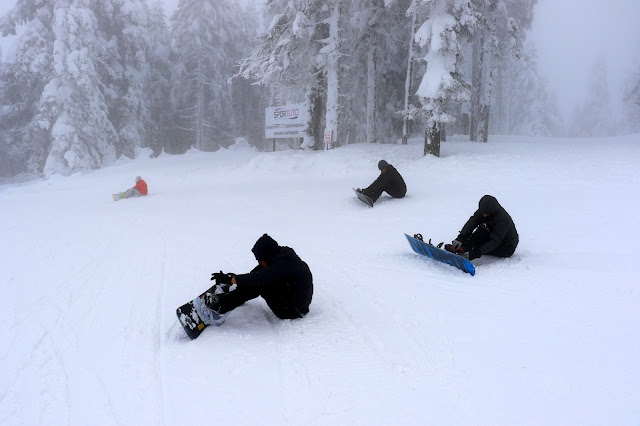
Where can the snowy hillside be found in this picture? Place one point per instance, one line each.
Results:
(89, 288)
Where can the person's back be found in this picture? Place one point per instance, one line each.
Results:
(287, 283)
(141, 186)
(396, 186)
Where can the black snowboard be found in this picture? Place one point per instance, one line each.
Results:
(363, 198)
(190, 320)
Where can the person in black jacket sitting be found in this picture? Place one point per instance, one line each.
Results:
(389, 181)
(281, 278)
(489, 231)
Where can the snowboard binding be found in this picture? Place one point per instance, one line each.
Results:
(450, 249)
(419, 237)
(447, 247)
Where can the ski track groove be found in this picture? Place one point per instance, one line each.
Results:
(107, 395)
(418, 359)
(149, 317)
(60, 358)
(73, 296)
(311, 371)
(160, 323)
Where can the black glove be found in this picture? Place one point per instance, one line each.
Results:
(222, 278)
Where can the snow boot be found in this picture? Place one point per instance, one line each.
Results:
(450, 249)
(208, 315)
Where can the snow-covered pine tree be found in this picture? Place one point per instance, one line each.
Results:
(447, 22)
(73, 101)
(90, 67)
(631, 104)
(159, 128)
(249, 100)
(594, 117)
(533, 109)
(491, 15)
(24, 141)
(299, 58)
(202, 32)
(377, 43)
(498, 38)
(127, 22)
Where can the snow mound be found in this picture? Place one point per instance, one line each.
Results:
(241, 144)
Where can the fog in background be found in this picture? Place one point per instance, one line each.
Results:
(569, 36)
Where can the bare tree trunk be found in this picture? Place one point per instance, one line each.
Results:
(315, 126)
(499, 100)
(464, 123)
(432, 140)
(371, 90)
(476, 83)
(407, 82)
(333, 73)
(510, 98)
(483, 123)
(485, 93)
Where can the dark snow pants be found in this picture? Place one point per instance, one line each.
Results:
(375, 191)
(480, 236)
(277, 296)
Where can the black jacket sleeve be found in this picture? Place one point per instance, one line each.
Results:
(471, 224)
(260, 276)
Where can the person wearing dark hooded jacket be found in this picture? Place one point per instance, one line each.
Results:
(489, 231)
(389, 181)
(281, 278)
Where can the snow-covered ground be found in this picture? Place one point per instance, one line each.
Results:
(89, 288)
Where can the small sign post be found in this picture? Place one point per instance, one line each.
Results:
(327, 139)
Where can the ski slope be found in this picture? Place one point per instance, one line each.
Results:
(89, 288)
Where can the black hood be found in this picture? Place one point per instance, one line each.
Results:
(265, 248)
(488, 205)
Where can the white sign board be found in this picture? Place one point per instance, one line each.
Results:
(327, 138)
(286, 121)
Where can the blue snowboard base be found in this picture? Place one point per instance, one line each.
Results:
(435, 253)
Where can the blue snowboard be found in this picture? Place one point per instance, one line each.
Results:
(441, 255)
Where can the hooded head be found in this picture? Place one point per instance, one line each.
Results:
(265, 248)
(382, 165)
(138, 179)
(488, 205)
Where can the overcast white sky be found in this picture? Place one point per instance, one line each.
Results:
(569, 36)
